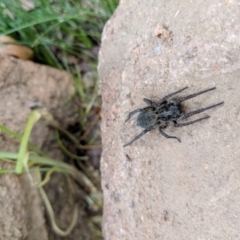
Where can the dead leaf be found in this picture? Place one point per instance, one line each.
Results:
(9, 47)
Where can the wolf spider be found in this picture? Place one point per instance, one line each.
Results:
(160, 114)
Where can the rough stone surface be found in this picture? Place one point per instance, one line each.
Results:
(21, 84)
(158, 188)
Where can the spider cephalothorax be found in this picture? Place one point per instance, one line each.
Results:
(160, 114)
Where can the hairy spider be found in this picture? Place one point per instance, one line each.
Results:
(160, 114)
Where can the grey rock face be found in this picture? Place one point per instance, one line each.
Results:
(158, 188)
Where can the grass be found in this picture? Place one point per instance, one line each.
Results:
(64, 35)
(25, 161)
(62, 27)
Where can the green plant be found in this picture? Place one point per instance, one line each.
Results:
(57, 29)
(32, 160)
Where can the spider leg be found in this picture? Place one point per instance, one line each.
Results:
(201, 110)
(189, 123)
(170, 95)
(195, 94)
(138, 136)
(167, 136)
(148, 102)
(133, 112)
(136, 111)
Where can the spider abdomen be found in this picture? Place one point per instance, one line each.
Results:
(147, 119)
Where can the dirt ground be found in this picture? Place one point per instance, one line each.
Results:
(158, 188)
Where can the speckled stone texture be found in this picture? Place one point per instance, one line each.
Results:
(158, 188)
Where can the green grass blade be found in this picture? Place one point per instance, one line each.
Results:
(19, 137)
(34, 117)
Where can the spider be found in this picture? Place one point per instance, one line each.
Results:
(160, 114)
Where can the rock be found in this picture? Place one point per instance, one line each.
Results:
(158, 188)
(23, 83)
